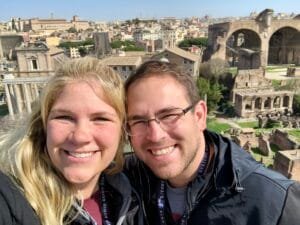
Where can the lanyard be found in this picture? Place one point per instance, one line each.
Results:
(104, 205)
(161, 200)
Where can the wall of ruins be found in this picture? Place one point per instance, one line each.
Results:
(288, 163)
(252, 104)
(282, 140)
(257, 32)
(253, 95)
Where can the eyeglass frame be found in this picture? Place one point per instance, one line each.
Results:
(158, 121)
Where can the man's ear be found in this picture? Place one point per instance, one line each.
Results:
(200, 112)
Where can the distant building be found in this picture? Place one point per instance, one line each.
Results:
(74, 53)
(37, 59)
(124, 65)
(102, 46)
(189, 62)
(55, 24)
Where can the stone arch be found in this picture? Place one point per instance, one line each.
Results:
(286, 100)
(257, 103)
(276, 102)
(267, 103)
(241, 38)
(284, 46)
(248, 106)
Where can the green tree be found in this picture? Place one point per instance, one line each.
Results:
(72, 30)
(116, 44)
(296, 104)
(125, 45)
(200, 42)
(210, 91)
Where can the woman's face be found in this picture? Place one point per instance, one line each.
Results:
(83, 133)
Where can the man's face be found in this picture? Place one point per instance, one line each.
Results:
(171, 153)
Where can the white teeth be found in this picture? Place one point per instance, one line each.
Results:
(163, 151)
(81, 154)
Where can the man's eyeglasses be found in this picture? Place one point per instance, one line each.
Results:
(166, 119)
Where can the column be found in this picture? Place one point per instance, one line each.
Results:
(271, 103)
(18, 98)
(27, 99)
(264, 54)
(8, 100)
(281, 102)
(262, 108)
(36, 90)
(291, 102)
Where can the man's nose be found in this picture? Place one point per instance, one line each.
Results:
(155, 132)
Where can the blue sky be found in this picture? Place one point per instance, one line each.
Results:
(107, 10)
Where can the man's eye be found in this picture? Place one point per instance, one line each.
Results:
(137, 122)
(169, 116)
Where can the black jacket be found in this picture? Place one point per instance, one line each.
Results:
(14, 208)
(123, 204)
(235, 190)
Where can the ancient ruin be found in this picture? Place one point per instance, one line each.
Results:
(288, 163)
(253, 95)
(276, 40)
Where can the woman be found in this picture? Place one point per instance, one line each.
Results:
(66, 161)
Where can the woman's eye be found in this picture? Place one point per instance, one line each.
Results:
(101, 119)
(63, 117)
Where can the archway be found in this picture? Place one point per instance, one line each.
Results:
(284, 46)
(243, 38)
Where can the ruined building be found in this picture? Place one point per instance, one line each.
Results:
(276, 40)
(253, 95)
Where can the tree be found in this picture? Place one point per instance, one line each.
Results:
(214, 69)
(116, 44)
(125, 45)
(212, 92)
(72, 30)
(200, 42)
(296, 104)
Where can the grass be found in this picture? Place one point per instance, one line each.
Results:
(266, 160)
(213, 125)
(276, 84)
(233, 70)
(276, 67)
(250, 124)
(295, 133)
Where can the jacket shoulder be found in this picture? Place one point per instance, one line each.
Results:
(290, 213)
(15, 209)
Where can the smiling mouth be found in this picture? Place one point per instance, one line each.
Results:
(162, 151)
(80, 154)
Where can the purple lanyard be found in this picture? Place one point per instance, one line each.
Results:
(104, 205)
(161, 200)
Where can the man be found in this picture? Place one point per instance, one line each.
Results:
(188, 175)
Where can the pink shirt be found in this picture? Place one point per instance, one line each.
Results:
(92, 206)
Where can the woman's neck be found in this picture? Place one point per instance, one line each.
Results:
(86, 190)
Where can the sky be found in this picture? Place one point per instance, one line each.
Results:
(109, 10)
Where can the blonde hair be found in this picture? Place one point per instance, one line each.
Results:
(23, 154)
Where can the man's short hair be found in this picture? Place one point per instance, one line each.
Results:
(160, 68)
